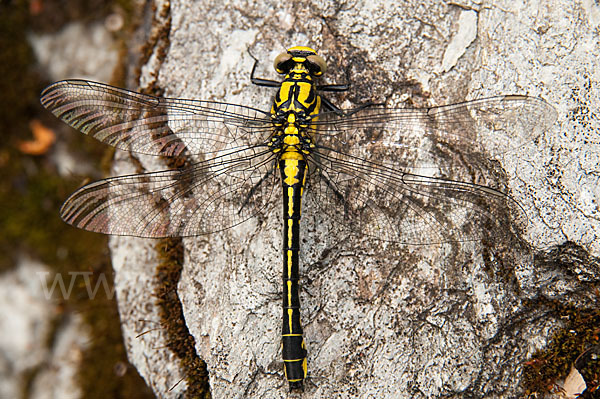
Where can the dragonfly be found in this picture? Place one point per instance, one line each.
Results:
(367, 169)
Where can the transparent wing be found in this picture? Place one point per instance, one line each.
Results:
(492, 125)
(382, 202)
(151, 125)
(206, 197)
(380, 171)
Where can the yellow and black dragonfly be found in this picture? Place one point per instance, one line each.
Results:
(368, 169)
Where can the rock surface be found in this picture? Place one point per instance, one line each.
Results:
(28, 313)
(428, 321)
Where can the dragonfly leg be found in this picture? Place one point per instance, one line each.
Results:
(363, 106)
(261, 81)
(335, 88)
(329, 106)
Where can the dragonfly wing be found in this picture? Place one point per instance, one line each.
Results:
(388, 204)
(492, 125)
(146, 124)
(206, 197)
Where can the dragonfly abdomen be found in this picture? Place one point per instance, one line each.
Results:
(293, 173)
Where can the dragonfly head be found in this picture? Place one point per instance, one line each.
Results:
(300, 57)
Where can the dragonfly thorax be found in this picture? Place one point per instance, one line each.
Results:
(297, 94)
(291, 141)
(296, 104)
(295, 108)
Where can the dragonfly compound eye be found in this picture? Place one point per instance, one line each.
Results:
(283, 63)
(316, 64)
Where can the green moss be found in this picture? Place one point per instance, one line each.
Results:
(157, 43)
(580, 323)
(168, 273)
(581, 331)
(180, 341)
(588, 365)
